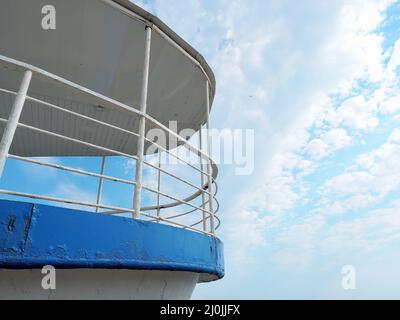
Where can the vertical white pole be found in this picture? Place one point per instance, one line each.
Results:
(209, 166)
(13, 119)
(158, 186)
(142, 126)
(203, 197)
(100, 190)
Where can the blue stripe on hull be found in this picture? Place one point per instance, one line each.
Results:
(33, 235)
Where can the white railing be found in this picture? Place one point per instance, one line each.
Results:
(203, 216)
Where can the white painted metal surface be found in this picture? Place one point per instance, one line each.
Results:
(142, 124)
(13, 119)
(209, 164)
(100, 188)
(98, 284)
(203, 196)
(117, 108)
(99, 46)
(91, 95)
(90, 100)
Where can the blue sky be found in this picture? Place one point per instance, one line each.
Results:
(318, 81)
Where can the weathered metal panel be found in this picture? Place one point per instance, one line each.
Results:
(101, 48)
(68, 238)
(15, 219)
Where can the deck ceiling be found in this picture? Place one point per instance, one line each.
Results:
(99, 45)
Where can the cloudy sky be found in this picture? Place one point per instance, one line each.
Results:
(318, 81)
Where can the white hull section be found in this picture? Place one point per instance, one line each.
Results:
(92, 284)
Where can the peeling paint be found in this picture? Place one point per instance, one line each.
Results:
(11, 224)
(70, 238)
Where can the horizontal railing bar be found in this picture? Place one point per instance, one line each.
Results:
(46, 76)
(110, 150)
(87, 173)
(187, 213)
(57, 166)
(100, 148)
(208, 217)
(66, 168)
(191, 211)
(22, 125)
(184, 226)
(56, 199)
(51, 105)
(190, 198)
(174, 155)
(184, 201)
(105, 124)
(54, 106)
(205, 219)
(87, 204)
(181, 225)
(181, 214)
(197, 223)
(195, 150)
(173, 198)
(114, 127)
(113, 103)
(174, 176)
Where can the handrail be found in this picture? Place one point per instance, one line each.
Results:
(113, 127)
(112, 104)
(89, 204)
(108, 150)
(16, 65)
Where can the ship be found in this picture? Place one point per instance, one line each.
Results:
(91, 80)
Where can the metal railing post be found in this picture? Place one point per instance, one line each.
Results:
(203, 196)
(158, 186)
(142, 126)
(100, 189)
(13, 119)
(209, 166)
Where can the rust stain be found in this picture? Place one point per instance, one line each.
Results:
(11, 224)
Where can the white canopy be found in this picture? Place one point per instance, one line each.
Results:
(98, 44)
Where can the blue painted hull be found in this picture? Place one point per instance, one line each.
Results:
(33, 235)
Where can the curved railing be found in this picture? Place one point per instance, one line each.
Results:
(201, 204)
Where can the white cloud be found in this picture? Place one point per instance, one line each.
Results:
(395, 136)
(284, 78)
(367, 181)
(43, 171)
(355, 112)
(372, 231)
(351, 53)
(299, 243)
(394, 61)
(391, 104)
(327, 143)
(348, 183)
(71, 191)
(313, 238)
